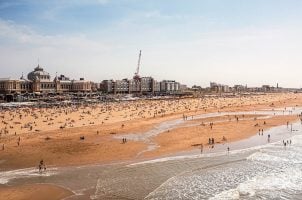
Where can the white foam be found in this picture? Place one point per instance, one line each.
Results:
(289, 180)
(6, 176)
(261, 156)
(271, 171)
(221, 153)
(285, 172)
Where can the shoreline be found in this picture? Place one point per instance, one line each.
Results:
(171, 158)
(250, 143)
(188, 152)
(157, 155)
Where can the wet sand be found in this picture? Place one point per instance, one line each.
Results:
(34, 192)
(224, 132)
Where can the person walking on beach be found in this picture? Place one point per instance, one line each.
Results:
(201, 148)
(228, 149)
(42, 166)
(19, 139)
(268, 137)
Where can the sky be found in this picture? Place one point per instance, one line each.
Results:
(191, 41)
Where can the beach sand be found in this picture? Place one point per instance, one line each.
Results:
(53, 134)
(184, 138)
(34, 192)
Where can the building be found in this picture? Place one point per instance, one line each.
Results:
(8, 85)
(215, 87)
(239, 88)
(135, 86)
(81, 86)
(267, 88)
(121, 86)
(183, 87)
(147, 85)
(39, 81)
(169, 86)
(156, 86)
(139, 85)
(107, 86)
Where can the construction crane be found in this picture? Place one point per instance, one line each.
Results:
(136, 74)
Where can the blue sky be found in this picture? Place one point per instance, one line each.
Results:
(193, 41)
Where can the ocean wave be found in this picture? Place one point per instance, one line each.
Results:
(6, 176)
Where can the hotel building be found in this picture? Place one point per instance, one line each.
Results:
(141, 85)
(39, 82)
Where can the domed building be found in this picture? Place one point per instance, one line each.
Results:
(38, 74)
(25, 84)
(39, 81)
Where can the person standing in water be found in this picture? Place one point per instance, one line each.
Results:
(42, 166)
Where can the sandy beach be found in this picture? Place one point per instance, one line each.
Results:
(76, 135)
(54, 134)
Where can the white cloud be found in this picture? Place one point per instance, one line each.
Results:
(71, 53)
(250, 55)
(25, 35)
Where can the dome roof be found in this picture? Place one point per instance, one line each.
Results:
(38, 74)
(38, 68)
(22, 78)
